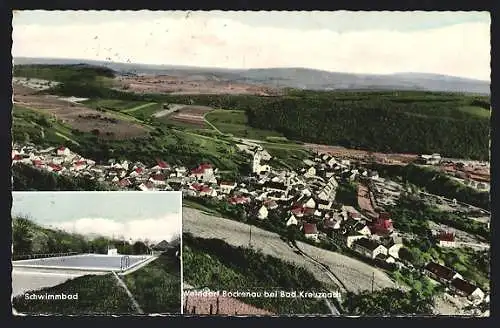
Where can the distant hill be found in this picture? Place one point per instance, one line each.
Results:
(297, 78)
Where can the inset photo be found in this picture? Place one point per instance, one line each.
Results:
(97, 253)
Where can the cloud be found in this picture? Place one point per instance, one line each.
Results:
(460, 49)
(152, 229)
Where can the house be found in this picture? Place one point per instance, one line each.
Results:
(369, 248)
(310, 231)
(308, 162)
(54, 167)
(332, 162)
(298, 211)
(161, 247)
(226, 187)
(291, 221)
(363, 229)
(311, 172)
(208, 192)
(465, 288)
(271, 204)
(262, 213)
(158, 179)
(382, 225)
(63, 151)
(79, 165)
(112, 251)
(239, 200)
(275, 186)
(16, 158)
(446, 239)
(440, 273)
(161, 165)
(124, 183)
(324, 204)
(146, 186)
(310, 203)
(433, 159)
(37, 163)
(393, 246)
(204, 172)
(136, 172)
(331, 224)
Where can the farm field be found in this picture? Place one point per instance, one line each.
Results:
(235, 122)
(189, 115)
(353, 273)
(81, 118)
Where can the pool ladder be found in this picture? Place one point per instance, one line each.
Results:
(124, 262)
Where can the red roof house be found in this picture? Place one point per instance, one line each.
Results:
(382, 225)
(238, 200)
(55, 167)
(158, 177)
(162, 164)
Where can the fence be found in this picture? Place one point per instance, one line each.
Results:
(38, 256)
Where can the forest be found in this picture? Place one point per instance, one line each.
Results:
(29, 238)
(379, 124)
(454, 125)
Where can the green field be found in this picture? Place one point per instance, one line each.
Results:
(235, 122)
(475, 110)
(36, 126)
(96, 295)
(157, 286)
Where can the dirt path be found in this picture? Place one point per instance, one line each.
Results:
(131, 297)
(130, 110)
(354, 274)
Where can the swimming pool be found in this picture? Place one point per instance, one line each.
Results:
(87, 262)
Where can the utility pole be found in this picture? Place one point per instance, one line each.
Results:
(373, 279)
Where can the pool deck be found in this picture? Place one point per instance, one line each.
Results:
(35, 263)
(31, 277)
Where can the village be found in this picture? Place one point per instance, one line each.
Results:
(305, 200)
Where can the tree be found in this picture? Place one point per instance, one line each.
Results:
(22, 236)
(139, 248)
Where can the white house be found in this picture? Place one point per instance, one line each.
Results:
(291, 221)
(158, 179)
(311, 172)
(446, 239)
(310, 231)
(262, 213)
(332, 162)
(368, 247)
(227, 187)
(394, 250)
(365, 231)
(112, 251)
(310, 203)
(207, 191)
(63, 151)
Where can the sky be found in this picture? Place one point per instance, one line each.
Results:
(131, 215)
(451, 43)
